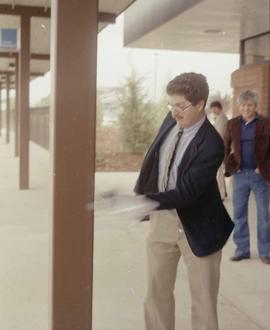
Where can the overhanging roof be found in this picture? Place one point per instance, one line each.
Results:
(194, 25)
(40, 27)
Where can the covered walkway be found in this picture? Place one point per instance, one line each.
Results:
(118, 261)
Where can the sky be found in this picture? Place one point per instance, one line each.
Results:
(156, 66)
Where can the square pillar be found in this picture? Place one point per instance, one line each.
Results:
(8, 109)
(24, 78)
(72, 129)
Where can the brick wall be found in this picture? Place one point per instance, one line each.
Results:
(39, 126)
(254, 77)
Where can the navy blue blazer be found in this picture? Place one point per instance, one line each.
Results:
(196, 198)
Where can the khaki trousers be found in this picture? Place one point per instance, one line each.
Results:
(221, 181)
(166, 243)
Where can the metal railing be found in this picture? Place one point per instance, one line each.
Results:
(39, 125)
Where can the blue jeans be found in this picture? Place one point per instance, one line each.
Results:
(244, 182)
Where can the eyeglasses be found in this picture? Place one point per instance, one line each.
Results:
(178, 107)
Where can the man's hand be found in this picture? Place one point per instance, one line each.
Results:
(259, 172)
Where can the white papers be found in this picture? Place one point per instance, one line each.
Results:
(114, 204)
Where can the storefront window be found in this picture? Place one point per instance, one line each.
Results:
(256, 49)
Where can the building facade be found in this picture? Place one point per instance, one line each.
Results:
(232, 26)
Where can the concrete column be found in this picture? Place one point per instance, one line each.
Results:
(73, 67)
(16, 123)
(24, 78)
(8, 109)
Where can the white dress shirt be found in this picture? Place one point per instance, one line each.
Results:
(188, 135)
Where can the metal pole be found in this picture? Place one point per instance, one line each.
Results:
(16, 124)
(24, 78)
(8, 110)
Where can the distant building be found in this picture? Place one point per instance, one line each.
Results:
(110, 104)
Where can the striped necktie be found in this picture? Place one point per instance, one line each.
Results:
(170, 159)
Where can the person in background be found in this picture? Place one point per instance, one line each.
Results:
(179, 171)
(247, 159)
(220, 123)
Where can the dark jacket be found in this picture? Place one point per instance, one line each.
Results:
(196, 197)
(261, 146)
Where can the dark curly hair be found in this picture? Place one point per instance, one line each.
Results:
(192, 85)
(216, 104)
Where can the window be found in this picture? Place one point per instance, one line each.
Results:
(256, 49)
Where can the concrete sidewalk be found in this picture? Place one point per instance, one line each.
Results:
(119, 261)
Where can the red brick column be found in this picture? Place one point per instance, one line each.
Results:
(254, 77)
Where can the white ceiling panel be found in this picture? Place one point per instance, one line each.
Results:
(110, 6)
(40, 35)
(39, 66)
(114, 6)
(9, 22)
(208, 26)
(4, 64)
(40, 27)
(34, 3)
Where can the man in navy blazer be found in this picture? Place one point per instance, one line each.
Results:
(179, 171)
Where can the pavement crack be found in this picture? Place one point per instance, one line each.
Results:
(241, 312)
